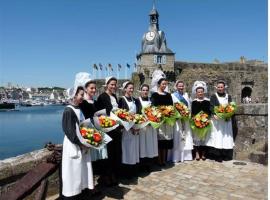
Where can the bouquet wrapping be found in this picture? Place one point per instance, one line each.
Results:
(123, 117)
(89, 136)
(103, 122)
(200, 124)
(170, 114)
(183, 110)
(154, 116)
(140, 121)
(225, 112)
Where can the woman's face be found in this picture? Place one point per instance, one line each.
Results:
(79, 97)
(200, 93)
(91, 89)
(180, 87)
(163, 85)
(111, 86)
(220, 88)
(129, 90)
(145, 91)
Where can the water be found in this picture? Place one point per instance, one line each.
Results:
(29, 129)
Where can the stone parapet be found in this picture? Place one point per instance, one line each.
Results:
(12, 169)
(251, 132)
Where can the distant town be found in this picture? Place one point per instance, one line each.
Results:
(30, 96)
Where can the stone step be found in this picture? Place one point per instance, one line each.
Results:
(259, 157)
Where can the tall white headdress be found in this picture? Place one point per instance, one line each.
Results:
(156, 76)
(199, 84)
(81, 79)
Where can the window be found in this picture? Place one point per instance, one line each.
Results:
(159, 59)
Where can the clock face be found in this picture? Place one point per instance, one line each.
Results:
(150, 35)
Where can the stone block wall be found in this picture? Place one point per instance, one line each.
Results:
(251, 133)
(236, 75)
(14, 168)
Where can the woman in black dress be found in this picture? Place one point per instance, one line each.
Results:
(200, 103)
(88, 108)
(130, 138)
(76, 169)
(165, 132)
(108, 100)
(221, 141)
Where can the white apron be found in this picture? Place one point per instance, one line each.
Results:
(182, 138)
(148, 138)
(130, 142)
(77, 171)
(221, 136)
(98, 154)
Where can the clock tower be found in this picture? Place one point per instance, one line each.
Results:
(154, 52)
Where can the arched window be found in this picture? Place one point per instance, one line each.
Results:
(246, 95)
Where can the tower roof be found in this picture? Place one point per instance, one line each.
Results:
(154, 12)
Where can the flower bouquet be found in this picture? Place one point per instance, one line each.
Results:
(169, 113)
(140, 121)
(183, 110)
(200, 124)
(225, 112)
(105, 123)
(89, 136)
(154, 116)
(124, 117)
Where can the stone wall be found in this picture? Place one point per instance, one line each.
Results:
(251, 134)
(236, 75)
(14, 168)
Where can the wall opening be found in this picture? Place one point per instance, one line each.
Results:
(246, 95)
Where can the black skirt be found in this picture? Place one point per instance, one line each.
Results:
(165, 144)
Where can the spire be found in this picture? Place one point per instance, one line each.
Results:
(154, 18)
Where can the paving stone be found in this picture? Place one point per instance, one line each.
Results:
(198, 181)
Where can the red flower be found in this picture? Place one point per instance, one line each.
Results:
(83, 132)
(97, 137)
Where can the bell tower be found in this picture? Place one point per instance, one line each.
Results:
(154, 52)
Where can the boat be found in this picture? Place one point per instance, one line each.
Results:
(7, 106)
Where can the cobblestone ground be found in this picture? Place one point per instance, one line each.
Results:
(195, 180)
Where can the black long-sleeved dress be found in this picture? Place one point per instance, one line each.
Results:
(165, 132)
(88, 109)
(219, 141)
(122, 103)
(69, 121)
(196, 107)
(113, 147)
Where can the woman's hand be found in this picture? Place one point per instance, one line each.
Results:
(216, 117)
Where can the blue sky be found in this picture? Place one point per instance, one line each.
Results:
(46, 42)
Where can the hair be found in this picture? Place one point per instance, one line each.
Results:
(221, 82)
(144, 85)
(90, 82)
(160, 80)
(179, 82)
(111, 79)
(129, 83)
(199, 88)
(79, 88)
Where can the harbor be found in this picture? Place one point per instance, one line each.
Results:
(23, 131)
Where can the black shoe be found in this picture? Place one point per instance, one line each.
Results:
(95, 192)
(219, 160)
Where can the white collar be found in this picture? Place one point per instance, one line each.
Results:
(196, 99)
